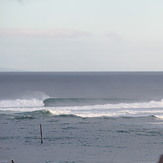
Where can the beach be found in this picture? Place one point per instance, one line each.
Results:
(86, 140)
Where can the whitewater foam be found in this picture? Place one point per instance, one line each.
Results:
(21, 103)
(28, 99)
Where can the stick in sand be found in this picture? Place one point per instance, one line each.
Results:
(41, 133)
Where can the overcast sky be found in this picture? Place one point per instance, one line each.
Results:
(81, 35)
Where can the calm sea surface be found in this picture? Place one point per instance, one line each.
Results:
(118, 85)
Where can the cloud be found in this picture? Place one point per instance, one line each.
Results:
(57, 33)
(112, 36)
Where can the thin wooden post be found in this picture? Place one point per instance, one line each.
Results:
(41, 133)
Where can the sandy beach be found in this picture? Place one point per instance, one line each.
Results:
(80, 140)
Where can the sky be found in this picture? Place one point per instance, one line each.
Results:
(81, 35)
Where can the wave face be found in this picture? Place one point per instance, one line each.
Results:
(100, 102)
(79, 101)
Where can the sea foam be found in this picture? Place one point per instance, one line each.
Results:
(21, 103)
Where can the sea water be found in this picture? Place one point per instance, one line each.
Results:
(90, 117)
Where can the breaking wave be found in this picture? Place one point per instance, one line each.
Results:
(81, 107)
(21, 103)
(78, 103)
(28, 99)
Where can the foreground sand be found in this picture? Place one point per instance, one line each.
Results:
(80, 140)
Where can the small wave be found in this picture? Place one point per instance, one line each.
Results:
(71, 113)
(32, 115)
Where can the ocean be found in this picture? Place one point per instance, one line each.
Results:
(86, 117)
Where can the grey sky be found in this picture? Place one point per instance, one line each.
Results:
(81, 35)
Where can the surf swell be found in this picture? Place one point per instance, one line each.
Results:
(82, 107)
(81, 103)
